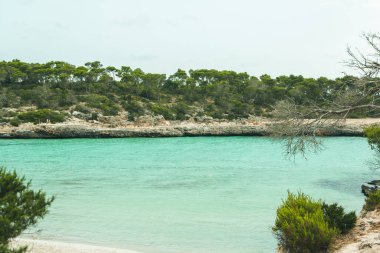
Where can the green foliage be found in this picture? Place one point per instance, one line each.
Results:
(336, 217)
(372, 133)
(134, 108)
(15, 122)
(9, 99)
(180, 110)
(6, 249)
(41, 116)
(106, 105)
(20, 207)
(220, 94)
(165, 111)
(373, 136)
(372, 202)
(301, 227)
(82, 108)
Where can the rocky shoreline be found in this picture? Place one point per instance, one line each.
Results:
(75, 129)
(82, 131)
(364, 237)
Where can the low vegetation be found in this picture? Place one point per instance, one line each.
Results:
(373, 136)
(337, 218)
(33, 116)
(372, 202)
(304, 225)
(41, 116)
(20, 208)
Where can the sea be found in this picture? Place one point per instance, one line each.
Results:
(181, 195)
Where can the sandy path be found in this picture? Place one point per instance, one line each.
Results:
(42, 246)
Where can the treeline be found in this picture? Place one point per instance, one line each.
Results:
(94, 88)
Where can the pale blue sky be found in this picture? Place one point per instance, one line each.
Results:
(278, 37)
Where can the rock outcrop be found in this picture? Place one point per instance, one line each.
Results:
(364, 237)
(156, 127)
(369, 187)
(83, 131)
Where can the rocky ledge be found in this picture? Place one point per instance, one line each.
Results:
(164, 129)
(83, 131)
(364, 237)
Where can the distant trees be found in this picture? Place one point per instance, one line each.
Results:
(109, 90)
(20, 208)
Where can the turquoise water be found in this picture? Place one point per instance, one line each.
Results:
(181, 195)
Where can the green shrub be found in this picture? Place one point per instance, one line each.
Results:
(94, 116)
(239, 110)
(6, 249)
(336, 217)
(181, 109)
(8, 114)
(372, 202)
(15, 122)
(217, 114)
(106, 105)
(3, 120)
(134, 109)
(82, 108)
(20, 208)
(166, 112)
(41, 116)
(301, 227)
(373, 136)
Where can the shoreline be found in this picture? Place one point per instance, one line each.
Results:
(47, 246)
(249, 127)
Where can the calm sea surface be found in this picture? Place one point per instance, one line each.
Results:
(181, 195)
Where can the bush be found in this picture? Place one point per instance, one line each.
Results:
(336, 217)
(41, 116)
(162, 110)
(301, 227)
(134, 109)
(20, 207)
(181, 109)
(15, 122)
(106, 105)
(372, 202)
(82, 108)
(373, 136)
(3, 120)
(6, 249)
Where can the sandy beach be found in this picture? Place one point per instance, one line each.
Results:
(44, 246)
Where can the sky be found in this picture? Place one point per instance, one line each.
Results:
(276, 37)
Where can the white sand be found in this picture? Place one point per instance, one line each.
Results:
(42, 246)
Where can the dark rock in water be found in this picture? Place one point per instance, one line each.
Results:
(374, 182)
(370, 187)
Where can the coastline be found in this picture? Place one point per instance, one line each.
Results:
(47, 246)
(248, 127)
(364, 237)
